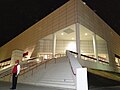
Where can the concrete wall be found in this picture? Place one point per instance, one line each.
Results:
(90, 20)
(68, 14)
(60, 18)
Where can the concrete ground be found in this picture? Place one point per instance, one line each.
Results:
(6, 86)
(97, 80)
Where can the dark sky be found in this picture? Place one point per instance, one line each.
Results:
(108, 10)
(18, 15)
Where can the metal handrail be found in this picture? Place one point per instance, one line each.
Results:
(94, 59)
(31, 67)
(89, 56)
(4, 64)
(74, 64)
(22, 68)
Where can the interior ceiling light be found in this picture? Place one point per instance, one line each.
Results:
(62, 33)
(86, 34)
(72, 38)
(84, 3)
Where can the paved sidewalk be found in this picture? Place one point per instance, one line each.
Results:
(6, 86)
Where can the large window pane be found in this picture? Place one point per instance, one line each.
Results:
(86, 41)
(102, 48)
(43, 47)
(66, 40)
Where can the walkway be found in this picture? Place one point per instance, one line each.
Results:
(6, 86)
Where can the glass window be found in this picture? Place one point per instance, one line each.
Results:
(66, 39)
(102, 49)
(43, 48)
(86, 41)
(92, 45)
(117, 60)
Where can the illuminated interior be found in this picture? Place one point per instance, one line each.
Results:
(66, 40)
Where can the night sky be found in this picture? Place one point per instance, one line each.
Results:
(18, 15)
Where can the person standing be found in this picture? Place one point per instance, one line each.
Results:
(15, 73)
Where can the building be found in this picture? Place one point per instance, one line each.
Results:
(73, 26)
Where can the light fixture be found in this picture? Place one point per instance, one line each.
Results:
(84, 3)
(86, 34)
(72, 38)
(37, 60)
(62, 33)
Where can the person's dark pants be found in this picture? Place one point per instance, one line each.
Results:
(14, 81)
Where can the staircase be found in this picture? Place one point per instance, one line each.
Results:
(57, 73)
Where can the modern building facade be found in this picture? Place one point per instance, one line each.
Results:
(73, 26)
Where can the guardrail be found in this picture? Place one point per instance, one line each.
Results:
(23, 67)
(73, 61)
(30, 65)
(4, 64)
(80, 74)
(91, 58)
(86, 57)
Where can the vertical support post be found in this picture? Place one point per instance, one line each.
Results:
(81, 79)
(77, 27)
(95, 47)
(54, 45)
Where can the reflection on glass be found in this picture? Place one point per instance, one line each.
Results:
(93, 47)
(102, 49)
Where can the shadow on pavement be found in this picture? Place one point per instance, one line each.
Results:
(97, 82)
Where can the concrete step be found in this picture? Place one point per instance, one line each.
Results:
(58, 80)
(58, 77)
(57, 74)
(56, 85)
(52, 84)
(54, 75)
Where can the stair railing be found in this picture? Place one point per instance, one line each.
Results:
(80, 73)
(26, 67)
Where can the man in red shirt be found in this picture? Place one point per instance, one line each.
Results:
(15, 72)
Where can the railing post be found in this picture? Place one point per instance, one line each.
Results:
(45, 65)
(81, 79)
(9, 78)
(55, 60)
(32, 72)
